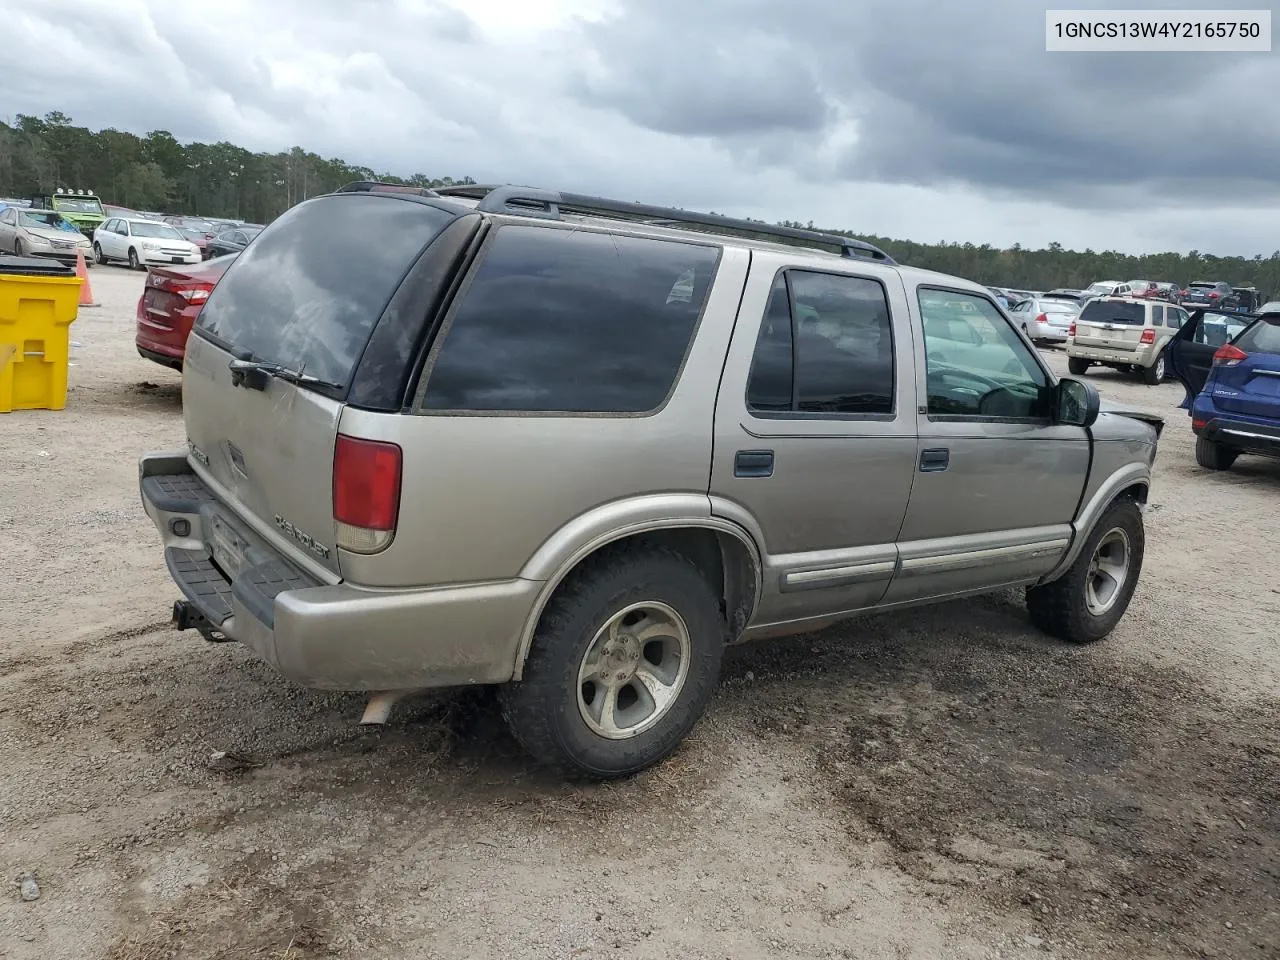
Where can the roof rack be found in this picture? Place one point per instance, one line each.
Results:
(552, 204)
(378, 186)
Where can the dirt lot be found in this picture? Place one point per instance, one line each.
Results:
(935, 784)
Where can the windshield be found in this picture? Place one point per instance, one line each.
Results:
(307, 296)
(1100, 287)
(1103, 311)
(191, 233)
(47, 220)
(78, 204)
(161, 231)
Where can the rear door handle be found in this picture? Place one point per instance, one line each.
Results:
(753, 463)
(934, 460)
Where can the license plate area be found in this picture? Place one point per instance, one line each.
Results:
(227, 548)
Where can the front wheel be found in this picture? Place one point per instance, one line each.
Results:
(133, 259)
(99, 255)
(1077, 366)
(623, 664)
(1213, 455)
(1086, 602)
(17, 247)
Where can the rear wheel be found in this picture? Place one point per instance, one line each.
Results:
(133, 259)
(623, 664)
(1078, 366)
(1213, 455)
(1155, 373)
(1086, 603)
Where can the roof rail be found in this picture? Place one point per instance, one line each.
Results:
(552, 204)
(378, 186)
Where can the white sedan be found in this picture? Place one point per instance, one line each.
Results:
(140, 242)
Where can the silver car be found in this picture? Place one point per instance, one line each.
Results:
(1045, 320)
(574, 447)
(42, 233)
(1125, 333)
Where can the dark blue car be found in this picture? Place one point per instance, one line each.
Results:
(1230, 367)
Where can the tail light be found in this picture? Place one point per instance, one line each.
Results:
(1148, 336)
(1042, 319)
(1071, 330)
(366, 493)
(1229, 355)
(1214, 294)
(193, 291)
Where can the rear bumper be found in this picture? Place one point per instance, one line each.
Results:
(1046, 334)
(1143, 357)
(163, 337)
(1242, 435)
(328, 636)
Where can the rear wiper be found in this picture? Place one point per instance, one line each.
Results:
(254, 374)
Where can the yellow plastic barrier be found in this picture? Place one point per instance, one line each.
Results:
(39, 300)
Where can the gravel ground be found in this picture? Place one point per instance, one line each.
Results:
(943, 783)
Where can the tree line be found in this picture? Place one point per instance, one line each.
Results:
(156, 172)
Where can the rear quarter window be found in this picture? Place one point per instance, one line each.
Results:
(570, 321)
(308, 291)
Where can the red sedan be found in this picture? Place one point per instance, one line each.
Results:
(169, 305)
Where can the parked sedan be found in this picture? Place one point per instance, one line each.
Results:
(169, 305)
(1233, 387)
(231, 241)
(142, 242)
(1046, 320)
(41, 233)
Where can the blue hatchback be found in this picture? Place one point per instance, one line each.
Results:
(1230, 367)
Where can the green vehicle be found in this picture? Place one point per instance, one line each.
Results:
(81, 207)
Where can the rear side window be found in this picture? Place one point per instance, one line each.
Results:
(568, 321)
(825, 346)
(1157, 316)
(1103, 311)
(1262, 337)
(308, 291)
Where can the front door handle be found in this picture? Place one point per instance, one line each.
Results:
(753, 463)
(934, 460)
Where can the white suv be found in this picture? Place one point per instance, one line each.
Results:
(1125, 333)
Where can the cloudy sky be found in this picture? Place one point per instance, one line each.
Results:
(920, 119)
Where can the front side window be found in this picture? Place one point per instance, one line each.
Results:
(570, 321)
(977, 366)
(825, 347)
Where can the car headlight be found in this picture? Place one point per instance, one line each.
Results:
(38, 241)
(149, 244)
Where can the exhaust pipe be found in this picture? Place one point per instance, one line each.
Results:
(379, 707)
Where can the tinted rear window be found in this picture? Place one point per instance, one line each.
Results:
(1262, 337)
(570, 321)
(1103, 311)
(307, 292)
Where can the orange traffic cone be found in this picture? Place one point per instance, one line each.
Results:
(86, 291)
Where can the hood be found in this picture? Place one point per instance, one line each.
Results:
(53, 233)
(1133, 413)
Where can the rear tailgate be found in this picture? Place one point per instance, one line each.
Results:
(1251, 386)
(1111, 325)
(305, 295)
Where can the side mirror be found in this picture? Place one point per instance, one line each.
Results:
(1076, 403)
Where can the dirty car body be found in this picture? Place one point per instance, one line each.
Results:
(447, 457)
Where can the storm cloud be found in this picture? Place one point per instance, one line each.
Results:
(925, 120)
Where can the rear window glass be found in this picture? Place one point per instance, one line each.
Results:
(306, 293)
(1262, 337)
(1203, 286)
(569, 321)
(1058, 306)
(1103, 311)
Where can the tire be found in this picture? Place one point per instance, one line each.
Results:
(1156, 373)
(1077, 366)
(1213, 455)
(133, 259)
(17, 247)
(99, 255)
(547, 710)
(1068, 608)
